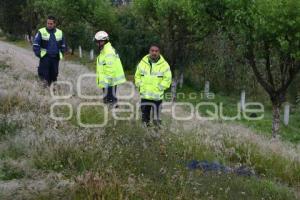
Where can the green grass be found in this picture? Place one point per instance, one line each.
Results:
(3, 65)
(92, 115)
(194, 185)
(22, 43)
(127, 162)
(266, 164)
(264, 126)
(8, 128)
(12, 150)
(85, 60)
(16, 41)
(124, 161)
(8, 171)
(11, 102)
(69, 159)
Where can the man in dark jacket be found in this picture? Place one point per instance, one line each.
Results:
(49, 45)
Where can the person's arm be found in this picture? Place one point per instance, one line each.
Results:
(137, 77)
(37, 44)
(99, 70)
(167, 79)
(110, 59)
(63, 45)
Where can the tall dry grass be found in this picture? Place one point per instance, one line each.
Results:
(44, 159)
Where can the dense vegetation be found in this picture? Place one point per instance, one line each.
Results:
(236, 45)
(45, 159)
(41, 158)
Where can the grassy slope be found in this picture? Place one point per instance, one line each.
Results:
(123, 160)
(289, 133)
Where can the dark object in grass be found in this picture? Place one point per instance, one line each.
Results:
(3, 65)
(207, 166)
(244, 171)
(253, 115)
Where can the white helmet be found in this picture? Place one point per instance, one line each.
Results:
(101, 35)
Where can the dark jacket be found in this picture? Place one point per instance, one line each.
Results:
(53, 47)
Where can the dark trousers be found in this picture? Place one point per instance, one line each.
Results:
(150, 105)
(48, 68)
(110, 94)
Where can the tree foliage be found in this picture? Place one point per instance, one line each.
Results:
(267, 33)
(10, 18)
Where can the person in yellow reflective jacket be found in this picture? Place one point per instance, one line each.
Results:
(152, 77)
(109, 69)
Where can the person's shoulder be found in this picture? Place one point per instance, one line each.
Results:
(163, 60)
(39, 33)
(145, 58)
(108, 48)
(42, 29)
(58, 30)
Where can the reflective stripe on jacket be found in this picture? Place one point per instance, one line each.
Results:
(109, 69)
(41, 41)
(153, 79)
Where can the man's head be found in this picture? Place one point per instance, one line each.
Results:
(154, 52)
(101, 38)
(51, 22)
(101, 43)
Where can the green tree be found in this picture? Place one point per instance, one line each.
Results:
(11, 21)
(178, 30)
(268, 33)
(30, 17)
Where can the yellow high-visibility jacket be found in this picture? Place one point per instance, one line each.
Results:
(109, 68)
(45, 38)
(153, 79)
